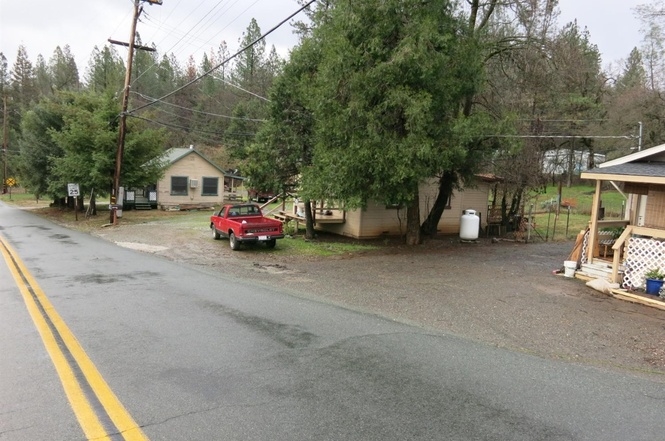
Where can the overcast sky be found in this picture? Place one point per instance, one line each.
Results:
(190, 27)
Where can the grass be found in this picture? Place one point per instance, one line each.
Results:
(21, 198)
(323, 245)
(568, 223)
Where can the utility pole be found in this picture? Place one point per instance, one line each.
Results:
(123, 113)
(123, 116)
(4, 142)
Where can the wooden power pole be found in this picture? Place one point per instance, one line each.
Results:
(4, 142)
(125, 103)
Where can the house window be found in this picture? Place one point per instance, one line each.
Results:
(179, 185)
(210, 187)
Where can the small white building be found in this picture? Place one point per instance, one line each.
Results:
(556, 162)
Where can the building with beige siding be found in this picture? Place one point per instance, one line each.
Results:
(376, 220)
(193, 181)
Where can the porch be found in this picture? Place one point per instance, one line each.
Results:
(322, 212)
(625, 258)
(635, 252)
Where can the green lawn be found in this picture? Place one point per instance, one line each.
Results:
(20, 197)
(570, 222)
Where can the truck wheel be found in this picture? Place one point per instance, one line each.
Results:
(271, 243)
(215, 233)
(233, 241)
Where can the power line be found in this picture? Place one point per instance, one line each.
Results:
(172, 30)
(211, 22)
(189, 129)
(561, 120)
(244, 90)
(155, 100)
(225, 61)
(567, 136)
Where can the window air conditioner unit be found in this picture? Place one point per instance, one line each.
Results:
(193, 183)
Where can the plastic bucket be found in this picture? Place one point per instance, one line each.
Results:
(569, 267)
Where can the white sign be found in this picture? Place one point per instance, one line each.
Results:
(72, 190)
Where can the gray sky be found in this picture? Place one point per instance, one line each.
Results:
(191, 27)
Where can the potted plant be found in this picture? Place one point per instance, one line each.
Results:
(654, 280)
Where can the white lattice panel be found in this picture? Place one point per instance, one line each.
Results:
(585, 247)
(641, 255)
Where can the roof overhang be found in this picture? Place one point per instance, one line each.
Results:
(653, 153)
(488, 177)
(624, 178)
(641, 172)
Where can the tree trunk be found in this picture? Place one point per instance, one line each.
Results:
(591, 159)
(446, 184)
(516, 202)
(58, 202)
(413, 221)
(93, 204)
(571, 160)
(309, 220)
(504, 209)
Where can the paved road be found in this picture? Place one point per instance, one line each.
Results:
(196, 355)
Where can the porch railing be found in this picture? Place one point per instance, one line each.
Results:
(643, 249)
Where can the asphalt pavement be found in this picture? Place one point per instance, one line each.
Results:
(398, 345)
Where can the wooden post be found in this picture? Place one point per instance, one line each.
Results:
(593, 228)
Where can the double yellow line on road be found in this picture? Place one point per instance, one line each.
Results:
(98, 410)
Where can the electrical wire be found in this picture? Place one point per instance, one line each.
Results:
(225, 61)
(244, 90)
(196, 111)
(189, 129)
(225, 27)
(566, 136)
(175, 30)
(172, 31)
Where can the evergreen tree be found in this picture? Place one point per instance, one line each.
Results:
(633, 74)
(63, 70)
(23, 80)
(88, 139)
(285, 143)
(144, 72)
(37, 148)
(249, 63)
(390, 83)
(106, 71)
(4, 75)
(43, 80)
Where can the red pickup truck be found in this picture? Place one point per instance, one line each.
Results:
(244, 223)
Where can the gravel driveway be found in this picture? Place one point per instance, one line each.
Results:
(502, 294)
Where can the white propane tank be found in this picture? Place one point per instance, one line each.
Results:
(469, 225)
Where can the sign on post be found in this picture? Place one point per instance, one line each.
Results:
(73, 190)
